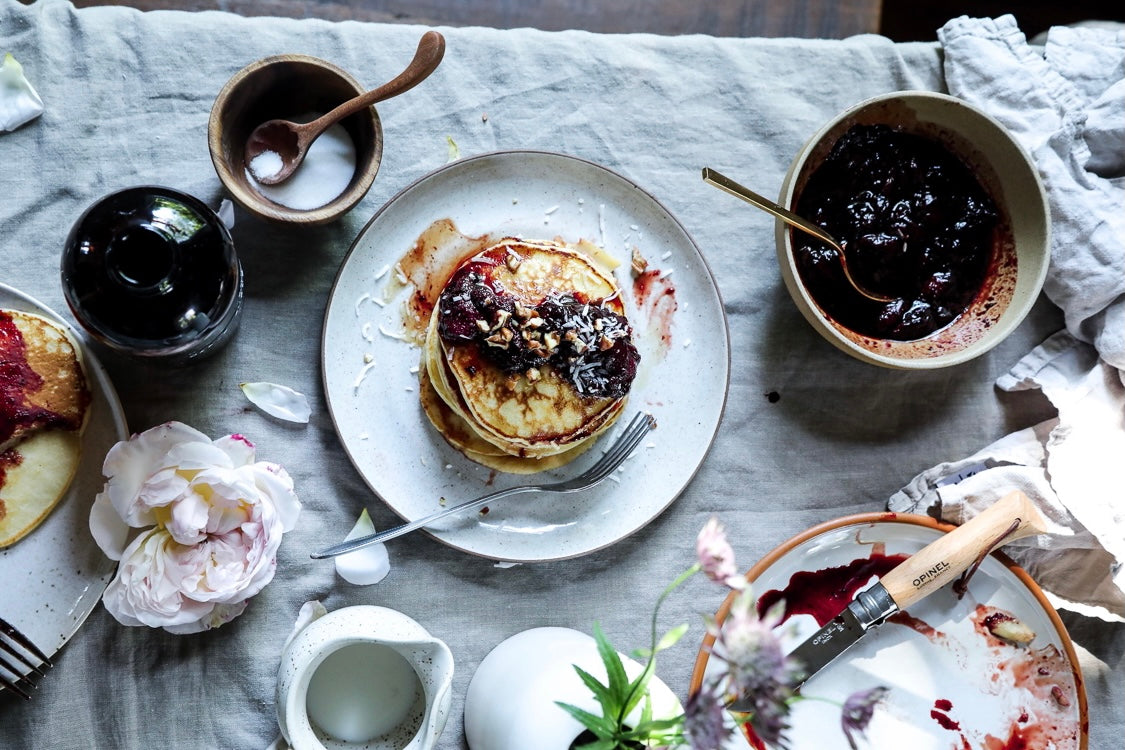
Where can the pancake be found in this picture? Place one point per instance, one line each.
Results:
(44, 406)
(461, 435)
(539, 378)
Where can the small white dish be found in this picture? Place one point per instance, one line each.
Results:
(364, 677)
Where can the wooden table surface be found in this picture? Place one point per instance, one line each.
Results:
(917, 20)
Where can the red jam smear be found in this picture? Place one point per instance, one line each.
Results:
(824, 593)
(17, 379)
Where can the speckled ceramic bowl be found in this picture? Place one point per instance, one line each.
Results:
(287, 86)
(364, 676)
(1022, 249)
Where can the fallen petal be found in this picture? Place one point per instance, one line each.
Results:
(310, 611)
(19, 102)
(278, 401)
(364, 566)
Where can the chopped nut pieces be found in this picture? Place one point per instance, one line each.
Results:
(501, 338)
(513, 260)
(637, 262)
(533, 374)
(502, 317)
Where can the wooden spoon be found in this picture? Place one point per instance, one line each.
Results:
(728, 185)
(290, 141)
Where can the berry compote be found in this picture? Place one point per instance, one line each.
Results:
(590, 345)
(916, 225)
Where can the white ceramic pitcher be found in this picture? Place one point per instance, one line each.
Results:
(367, 677)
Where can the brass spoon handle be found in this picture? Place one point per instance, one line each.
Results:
(728, 185)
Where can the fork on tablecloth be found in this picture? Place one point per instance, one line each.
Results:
(17, 669)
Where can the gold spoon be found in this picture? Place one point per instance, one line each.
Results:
(291, 140)
(728, 185)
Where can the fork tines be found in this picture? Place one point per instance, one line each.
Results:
(629, 439)
(19, 650)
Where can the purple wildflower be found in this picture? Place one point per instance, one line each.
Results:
(716, 558)
(757, 670)
(857, 712)
(704, 718)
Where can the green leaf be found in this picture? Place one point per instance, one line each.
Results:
(671, 637)
(600, 744)
(599, 725)
(605, 697)
(638, 689)
(615, 670)
(660, 725)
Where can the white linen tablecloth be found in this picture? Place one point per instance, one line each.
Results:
(127, 99)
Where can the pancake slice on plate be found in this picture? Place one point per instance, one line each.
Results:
(528, 353)
(44, 407)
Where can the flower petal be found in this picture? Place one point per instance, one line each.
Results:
(221, 614)
(278, 401)
(240, 450)
(19, 102)
(364, 566)
(857, 712)
(107, 528)
(129, 463)
(310, 611)
(274, 483)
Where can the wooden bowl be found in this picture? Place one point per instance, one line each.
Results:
(286, 86)
(1022, 249)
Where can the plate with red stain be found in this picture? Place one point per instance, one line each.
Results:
(380, 306)
(53, 578)
(954, 683)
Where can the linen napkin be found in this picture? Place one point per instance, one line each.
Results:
(1066, 105)
(1073, 468)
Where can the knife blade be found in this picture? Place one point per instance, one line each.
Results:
(931, 568)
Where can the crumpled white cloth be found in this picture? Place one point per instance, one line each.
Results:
(1073, 467)
(1066, 106)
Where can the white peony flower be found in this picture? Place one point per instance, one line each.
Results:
(213, 519)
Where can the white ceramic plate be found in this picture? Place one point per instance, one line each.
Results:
(54, 576)
(405, 461)
(950, 688)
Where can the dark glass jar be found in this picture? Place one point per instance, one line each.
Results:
(151, 272)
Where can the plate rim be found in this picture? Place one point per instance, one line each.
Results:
(464, 163)
(98, 376)
(907, 519)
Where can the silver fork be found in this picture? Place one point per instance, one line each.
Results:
(18, 655)
(606, 465)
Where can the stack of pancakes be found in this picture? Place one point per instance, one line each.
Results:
(44, 404)
(528, 411)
